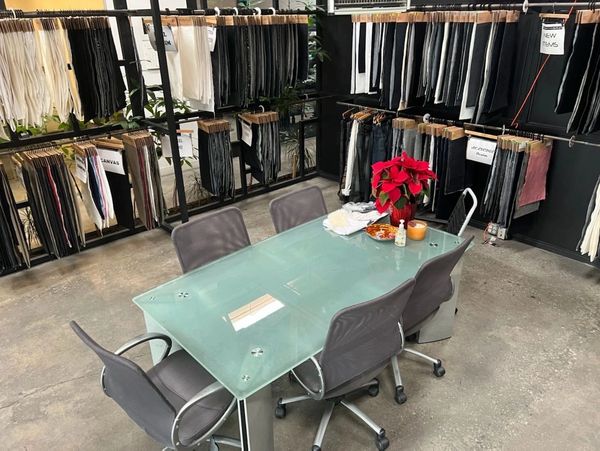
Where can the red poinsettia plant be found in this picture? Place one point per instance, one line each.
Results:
(399, 181)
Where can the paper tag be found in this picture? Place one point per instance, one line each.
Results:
(246, 133)
(552, 40)
(255, 311)
(481, 150)
(167, 36)
(112, 160)
(81, 168)
(184, 140)
(212, 37)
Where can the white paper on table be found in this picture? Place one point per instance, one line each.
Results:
(355, 222)
(255, 311)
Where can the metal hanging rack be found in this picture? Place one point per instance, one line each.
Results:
(572, 141)
(524, 6)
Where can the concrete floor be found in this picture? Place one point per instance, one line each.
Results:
(522, 367)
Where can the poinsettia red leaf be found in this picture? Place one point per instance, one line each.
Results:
(386, 186)
(395, 194)
(378, 167)
(414, 187)
(401, 177)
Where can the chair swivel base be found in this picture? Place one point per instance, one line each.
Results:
(381, 441)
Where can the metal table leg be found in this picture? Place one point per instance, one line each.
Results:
(440, 326)
(256, 421)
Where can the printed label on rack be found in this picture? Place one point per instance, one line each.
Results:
(552, 40)
(481, 150)
(167, 37)
(246, 133)
(112, 160)
(81, 168)
(184, 141)
(212, 37)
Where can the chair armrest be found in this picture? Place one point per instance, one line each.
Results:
(316, 395)
(210, 390)
(145, 338)
(138, 341)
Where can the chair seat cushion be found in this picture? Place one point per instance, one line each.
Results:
(179, 378)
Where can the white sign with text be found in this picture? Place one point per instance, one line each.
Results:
(553, 38)
(481, 150)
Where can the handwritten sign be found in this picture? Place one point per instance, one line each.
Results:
(552, 38)
(112, 160)
(481, 150)
(168, 37)
(184, 141)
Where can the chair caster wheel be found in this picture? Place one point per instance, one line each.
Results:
(382, 443)
(438, 369)
(400, 396)
(373, 390)
(280, 410)
(315, 448)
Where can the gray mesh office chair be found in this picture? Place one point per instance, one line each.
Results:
(360, 342)
(209, 237)
(433, 287)
(296, 208)
(177, 402)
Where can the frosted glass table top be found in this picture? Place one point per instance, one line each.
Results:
(299, 279)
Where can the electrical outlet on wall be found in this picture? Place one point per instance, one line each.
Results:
(492, 229)
(502, 233)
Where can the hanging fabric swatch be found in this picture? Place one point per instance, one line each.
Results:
(517, 180)
(145, 176)
(216, 161)
(458, 59)
(579, 92)
(95, 62)
(51, 196)
(366, 139)
(261, 146)
(190, 54)
(404, 136)
(14, 251)
(95, 190)
(110, 151)
(70, 67)
(251, 57)
(589, 244)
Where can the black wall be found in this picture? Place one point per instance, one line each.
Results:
(573, 171)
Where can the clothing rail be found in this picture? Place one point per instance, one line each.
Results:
(81, 137)
(468, 125)
(10, 13)
(524, 6)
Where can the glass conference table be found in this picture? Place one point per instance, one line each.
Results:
(252, 316)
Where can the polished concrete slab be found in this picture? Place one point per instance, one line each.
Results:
(522, 366)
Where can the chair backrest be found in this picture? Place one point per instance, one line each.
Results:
(364, 336)
(209, 237)
(459, 218)
(433, 286)
(296, 208)
(129, 386)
